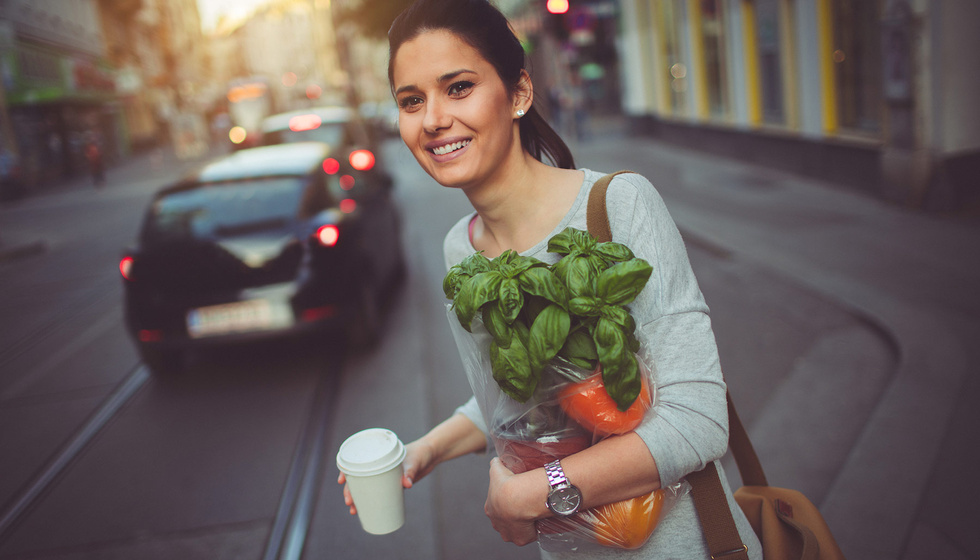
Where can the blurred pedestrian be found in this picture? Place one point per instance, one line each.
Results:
(467, 115)
(96, 163)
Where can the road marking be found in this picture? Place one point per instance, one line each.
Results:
(292, 520)
(126, 389)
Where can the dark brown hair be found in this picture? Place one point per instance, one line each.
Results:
(481, 25)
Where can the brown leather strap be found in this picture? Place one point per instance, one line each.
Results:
(720, 531)
(708, 494)
(596, 218)
(749, 467)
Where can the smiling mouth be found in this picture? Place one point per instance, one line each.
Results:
(450, 148)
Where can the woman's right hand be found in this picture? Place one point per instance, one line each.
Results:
(419, 461)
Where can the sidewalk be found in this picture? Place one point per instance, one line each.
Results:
(901, 493)
(15, 244)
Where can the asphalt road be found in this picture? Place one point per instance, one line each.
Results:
(235, 458)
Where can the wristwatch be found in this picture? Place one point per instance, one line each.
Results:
(564, 498)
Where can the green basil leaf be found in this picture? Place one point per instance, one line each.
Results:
(547, 335)
(634, 343)
(597, 263)
(585, 306)
(622, 282)
(560, 270)
(511, 299)
(451, 283)
(561, 243)
(618, 315)
(583, 240)
(620, 372)
(474, 264)
(542, 283)
(494, 321)
(614, 252)
(522, 264)
(533, 305)
(522, 331)
(580, 348)
(580, 278)
(476, 292)
(512, 370)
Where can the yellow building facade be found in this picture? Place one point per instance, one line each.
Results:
(875, 94)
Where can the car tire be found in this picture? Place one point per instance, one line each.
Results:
(366, 329)
(162, 362)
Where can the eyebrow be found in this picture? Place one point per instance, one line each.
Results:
(442, 79)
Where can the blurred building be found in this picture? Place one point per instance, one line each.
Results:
(292, 44)
(876, 94)
(117, 71)
(59, 87)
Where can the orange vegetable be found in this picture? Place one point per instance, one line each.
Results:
(629, 523)
(588, 403)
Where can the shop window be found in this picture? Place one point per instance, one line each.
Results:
(713, 40)
(857, 64)
(676, 66)
(769, 44)
(39, 67)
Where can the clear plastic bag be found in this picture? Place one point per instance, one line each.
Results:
(568, 412)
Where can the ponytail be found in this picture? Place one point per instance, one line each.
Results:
(539, 139)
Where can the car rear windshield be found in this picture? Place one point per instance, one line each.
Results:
(225, 209)
(333, 134)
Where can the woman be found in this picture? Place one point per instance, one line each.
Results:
(466, 112)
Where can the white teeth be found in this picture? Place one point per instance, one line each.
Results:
(443, 150)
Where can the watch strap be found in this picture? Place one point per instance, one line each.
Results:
(556, 475)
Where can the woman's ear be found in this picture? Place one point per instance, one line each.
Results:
(524, 94)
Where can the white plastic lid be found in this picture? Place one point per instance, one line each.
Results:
(370, 452)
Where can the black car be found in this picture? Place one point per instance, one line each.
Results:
(265, 242)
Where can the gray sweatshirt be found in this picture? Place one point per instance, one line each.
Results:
(689, 426)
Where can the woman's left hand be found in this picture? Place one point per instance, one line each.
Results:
(504, 506)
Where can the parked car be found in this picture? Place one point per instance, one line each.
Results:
(264, 242)
(335, 125)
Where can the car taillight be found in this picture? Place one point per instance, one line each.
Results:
(331, 166)
(317, 313)
(348, 205)
(126, 268)
(299, 123)
(362, 160)
(327, 235)
(150, 335)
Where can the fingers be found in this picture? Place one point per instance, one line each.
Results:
(348, 499)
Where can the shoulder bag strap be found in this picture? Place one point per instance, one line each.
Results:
(596, 218)
(708, 494)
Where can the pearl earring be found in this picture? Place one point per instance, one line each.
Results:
(520, 113)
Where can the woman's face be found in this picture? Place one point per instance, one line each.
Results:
(455, 113)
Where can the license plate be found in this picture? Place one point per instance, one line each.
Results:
(243, 316)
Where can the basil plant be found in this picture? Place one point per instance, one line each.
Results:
(575, 309)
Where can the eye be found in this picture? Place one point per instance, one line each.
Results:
(460, 89)
(410, 102)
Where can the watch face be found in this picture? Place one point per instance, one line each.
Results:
(565, 501)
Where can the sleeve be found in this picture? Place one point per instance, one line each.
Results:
(454, 251)
(689, 426)
(471, 410)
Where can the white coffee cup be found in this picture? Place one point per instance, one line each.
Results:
(372, 462)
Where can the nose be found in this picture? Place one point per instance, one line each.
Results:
(436, 118)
